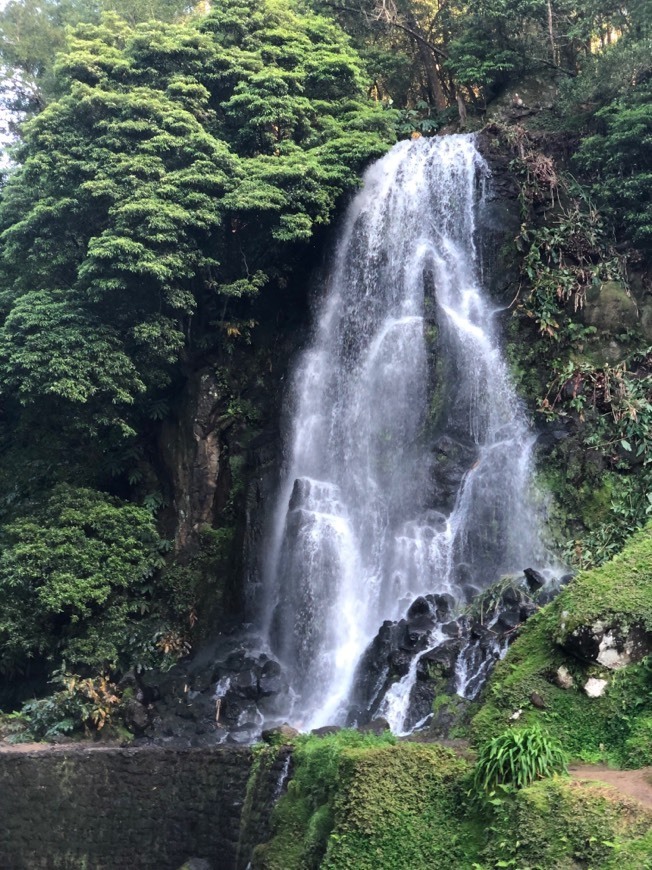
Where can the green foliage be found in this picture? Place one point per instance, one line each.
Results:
(613, 403)
(304, 818)
(605, 76)
(199, 584)
(79, 703)
(171, 175)
(634, 853)
(610, 101)
(562, 260)
(618, 160)
(76, 580)
(168, 185)
(13, 728)
(517, 758)
(482, 52)
(638, 746)
(33, 31)
(579, 355)
(52, 348)
(407, 806)
(401, 807)
(621, 589)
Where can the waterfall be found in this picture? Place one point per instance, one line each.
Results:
(407, 460)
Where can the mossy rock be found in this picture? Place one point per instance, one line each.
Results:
(372, 806)
(400, 807)
(618, 593)
(610, 308)
(408, 807)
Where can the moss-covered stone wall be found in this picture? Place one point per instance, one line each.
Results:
(70, 808)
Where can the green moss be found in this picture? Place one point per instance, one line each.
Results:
(357, 803)
(619, 592)
(365, 802)
(303, 818)
(560, 825)
(400, 807)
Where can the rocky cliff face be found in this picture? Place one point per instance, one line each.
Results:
(194, 449)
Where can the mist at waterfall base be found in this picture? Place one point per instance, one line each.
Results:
(408, 456)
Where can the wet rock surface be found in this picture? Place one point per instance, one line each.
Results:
(233, 690)
(223, 695)
(447, 652)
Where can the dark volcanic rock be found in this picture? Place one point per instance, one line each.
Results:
(325, 730)
(136, 716)
(452, 459)
(419, 607)
(535, 580)
(459, 662)
(224, 695)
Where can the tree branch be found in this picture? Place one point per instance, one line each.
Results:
(392, 23)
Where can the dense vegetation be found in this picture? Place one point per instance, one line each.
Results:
(173, 171)
(174, 168)
(179, 170)
(615, 726)
(365, 803)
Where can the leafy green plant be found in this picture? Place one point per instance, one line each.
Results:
(80, 702)
(423, 118)
(617, 158)
(76, 583)
(517, 758)
(561, 261)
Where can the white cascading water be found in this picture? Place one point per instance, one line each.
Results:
(358, 530)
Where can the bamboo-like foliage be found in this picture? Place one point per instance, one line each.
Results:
(518, 757)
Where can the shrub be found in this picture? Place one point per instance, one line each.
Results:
(518, 757)
(638, 747)
(80, 703)
(75, 584)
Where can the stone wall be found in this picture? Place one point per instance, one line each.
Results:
(67, 808)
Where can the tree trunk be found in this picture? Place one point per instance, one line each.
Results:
(551, 34)
(430, 66)
(193, 452)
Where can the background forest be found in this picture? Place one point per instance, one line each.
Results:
(174, 172)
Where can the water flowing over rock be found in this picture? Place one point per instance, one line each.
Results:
(407, 464)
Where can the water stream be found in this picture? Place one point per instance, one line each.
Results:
(408, 456)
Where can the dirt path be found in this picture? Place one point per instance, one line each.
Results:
(633, 783)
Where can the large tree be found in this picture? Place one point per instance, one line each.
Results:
(181, 168)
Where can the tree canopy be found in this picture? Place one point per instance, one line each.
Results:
(176, 166)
